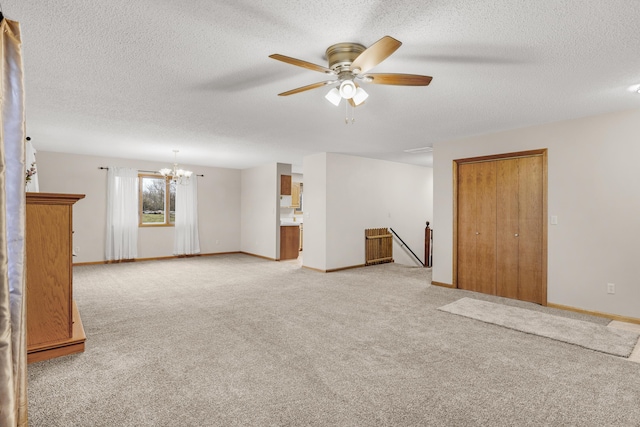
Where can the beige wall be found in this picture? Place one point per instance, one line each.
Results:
(315, 211)
(593, 189)
(344, 195)
(260, 211)
(218, 204)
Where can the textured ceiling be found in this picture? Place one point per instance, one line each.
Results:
(137, 79)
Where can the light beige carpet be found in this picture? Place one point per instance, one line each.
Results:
(589, 335)
(633, 327)
(235, 340)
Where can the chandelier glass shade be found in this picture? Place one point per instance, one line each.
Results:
(180, 176)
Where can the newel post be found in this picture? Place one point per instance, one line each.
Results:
(427, 246)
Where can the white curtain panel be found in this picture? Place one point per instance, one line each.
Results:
(186, 241)
(122, 214)
(13, 326)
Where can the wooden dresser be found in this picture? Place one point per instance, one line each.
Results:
(54, 327)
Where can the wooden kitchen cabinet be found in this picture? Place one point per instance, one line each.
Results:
(285, 185)
(289, 242)
(295, 195)
(54, 327)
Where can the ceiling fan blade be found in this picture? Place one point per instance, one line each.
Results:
(375, 54)
(301, 63)
(305, 88)
(398, 79)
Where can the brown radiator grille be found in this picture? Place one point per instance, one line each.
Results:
(378, 246)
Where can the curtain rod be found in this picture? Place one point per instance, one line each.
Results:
(140, 170)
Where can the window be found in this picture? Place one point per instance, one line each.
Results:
(157, 198)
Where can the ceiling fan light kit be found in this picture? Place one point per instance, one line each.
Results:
(333, 96)
(360, 96)
(347, 89)
(349, 62)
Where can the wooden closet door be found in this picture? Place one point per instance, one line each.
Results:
(507, 228)
(467, 213)
(530, 217)
(477, 227)
(519, 235)
(501, 213)
(486, 227)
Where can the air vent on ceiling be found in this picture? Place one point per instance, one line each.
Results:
(420, 150)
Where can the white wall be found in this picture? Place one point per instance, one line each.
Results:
(218, 204)
(260, 211)
(315, 211)
(362, 193)
(593, 188)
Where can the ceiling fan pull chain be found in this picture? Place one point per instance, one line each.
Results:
(346, 113)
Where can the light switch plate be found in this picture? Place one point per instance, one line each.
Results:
(554, 220)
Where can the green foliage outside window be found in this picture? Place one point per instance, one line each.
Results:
(154, 203)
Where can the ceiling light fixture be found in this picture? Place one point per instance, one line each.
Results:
(180, 176)
(347, 89)
(333, 96)
(634, 88)
(360, 96)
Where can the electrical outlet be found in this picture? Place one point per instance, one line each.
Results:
(611, 288)
(217, 242)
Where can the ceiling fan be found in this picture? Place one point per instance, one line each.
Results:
(350, 62)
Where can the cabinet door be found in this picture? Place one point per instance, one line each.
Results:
(285, 185)
(48, 274)
(295, 195)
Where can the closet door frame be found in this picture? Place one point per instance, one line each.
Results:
(540, 152)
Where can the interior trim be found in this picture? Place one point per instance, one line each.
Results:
(257, 256)
(503, 156)
(333, 270)
(617, 317)
(626, 319)
(444, 285)
(154, 258)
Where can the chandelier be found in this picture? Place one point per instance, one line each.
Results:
(179, 176)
